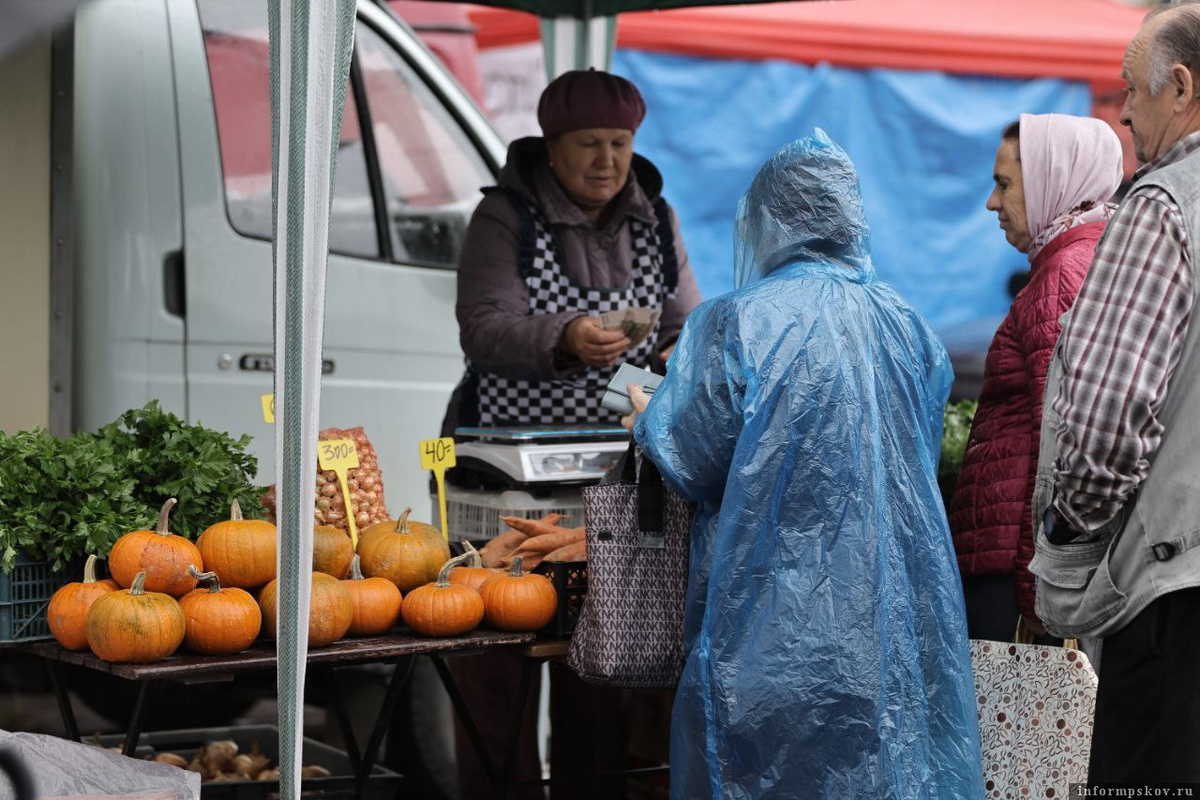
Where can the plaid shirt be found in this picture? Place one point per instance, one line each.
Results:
(1119, 348)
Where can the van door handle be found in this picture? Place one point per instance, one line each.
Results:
(265, 362)
(174, 284)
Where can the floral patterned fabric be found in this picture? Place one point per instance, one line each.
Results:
(1036, 705)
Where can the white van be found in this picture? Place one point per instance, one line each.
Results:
(170, 206)
(135, 225)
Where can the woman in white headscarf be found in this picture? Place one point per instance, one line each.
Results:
(1054, 175)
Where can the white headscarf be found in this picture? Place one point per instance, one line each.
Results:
(1070, 167)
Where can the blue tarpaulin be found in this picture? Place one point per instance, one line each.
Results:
(924, 144)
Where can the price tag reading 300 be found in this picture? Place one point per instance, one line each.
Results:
(438, 455)
(340, 456)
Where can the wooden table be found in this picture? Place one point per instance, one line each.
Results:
(192, 669)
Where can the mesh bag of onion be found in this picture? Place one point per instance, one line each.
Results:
(365, 483)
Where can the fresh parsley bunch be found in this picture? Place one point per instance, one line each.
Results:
(203, 468)
(61, 499)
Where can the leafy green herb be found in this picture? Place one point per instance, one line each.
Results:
(955, 434)
(63, 498)
(203, 468)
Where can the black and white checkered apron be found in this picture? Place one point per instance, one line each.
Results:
(575, 400)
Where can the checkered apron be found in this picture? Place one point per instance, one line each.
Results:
(574, 400)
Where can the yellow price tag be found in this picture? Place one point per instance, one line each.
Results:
(438, 455)
(340, 456)
(268, 408)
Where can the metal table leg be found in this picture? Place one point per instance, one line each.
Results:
(464, 716)
(395, 687)
(510, 757)
(58, 681)
(135, 723)
(343, 719)
(361, 765)
(499, 780)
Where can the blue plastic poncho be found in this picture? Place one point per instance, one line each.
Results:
(824, 626)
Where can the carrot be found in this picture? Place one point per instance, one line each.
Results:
(534, 527)
(572, 552)
(501, 546)
(548, 542)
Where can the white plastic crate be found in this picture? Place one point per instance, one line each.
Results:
(475, 514)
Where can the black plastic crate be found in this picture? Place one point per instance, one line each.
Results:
(383, 784)
(25, 593)
(570, 581)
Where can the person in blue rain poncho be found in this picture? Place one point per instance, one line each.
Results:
(824, 627)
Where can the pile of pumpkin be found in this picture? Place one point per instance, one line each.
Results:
(402, 570)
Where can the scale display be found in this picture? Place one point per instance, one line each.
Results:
(564, 454)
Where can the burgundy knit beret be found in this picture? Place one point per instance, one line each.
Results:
(589, 99)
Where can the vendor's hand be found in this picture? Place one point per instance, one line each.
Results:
(640, 401)
(593, 345)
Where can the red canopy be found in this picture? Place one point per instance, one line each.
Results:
(1074, 39)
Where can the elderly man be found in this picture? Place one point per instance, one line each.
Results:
(1118, 488)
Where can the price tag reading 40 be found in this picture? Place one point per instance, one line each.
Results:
(438, 455)
(340, 456)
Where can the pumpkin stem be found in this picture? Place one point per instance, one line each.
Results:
(443, 576)
(138, 587)
(516, 567)
(235, 512)
(475, 560)
(163, 517)
(355, 569)
(214, 583)
(89, 569)
(402, 523)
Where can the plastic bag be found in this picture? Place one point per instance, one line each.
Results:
(824, 624)
(62, 768)
(365, 484)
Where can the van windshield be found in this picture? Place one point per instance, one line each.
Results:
(430, 172)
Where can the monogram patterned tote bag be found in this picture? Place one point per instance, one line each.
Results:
(630, 629)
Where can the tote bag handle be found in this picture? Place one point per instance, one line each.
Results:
(650, 497)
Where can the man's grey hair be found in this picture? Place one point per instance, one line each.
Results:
(1175, 41)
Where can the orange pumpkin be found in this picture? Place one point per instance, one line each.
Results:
(376, 602)
(407, 553)
(332, 551)
(442, 608)
(519, 601)
(135, 625)
(218, 620)
(160, 554)
(240, 551)
(67, 613)
(330, 610)
(474, 573)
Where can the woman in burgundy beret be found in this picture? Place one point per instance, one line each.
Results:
(575, 235)
(577, 228)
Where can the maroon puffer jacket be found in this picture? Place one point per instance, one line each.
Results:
(992, 509)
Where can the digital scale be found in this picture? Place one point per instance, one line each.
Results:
(536, 456)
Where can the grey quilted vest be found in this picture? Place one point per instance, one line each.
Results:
(1151, 547)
